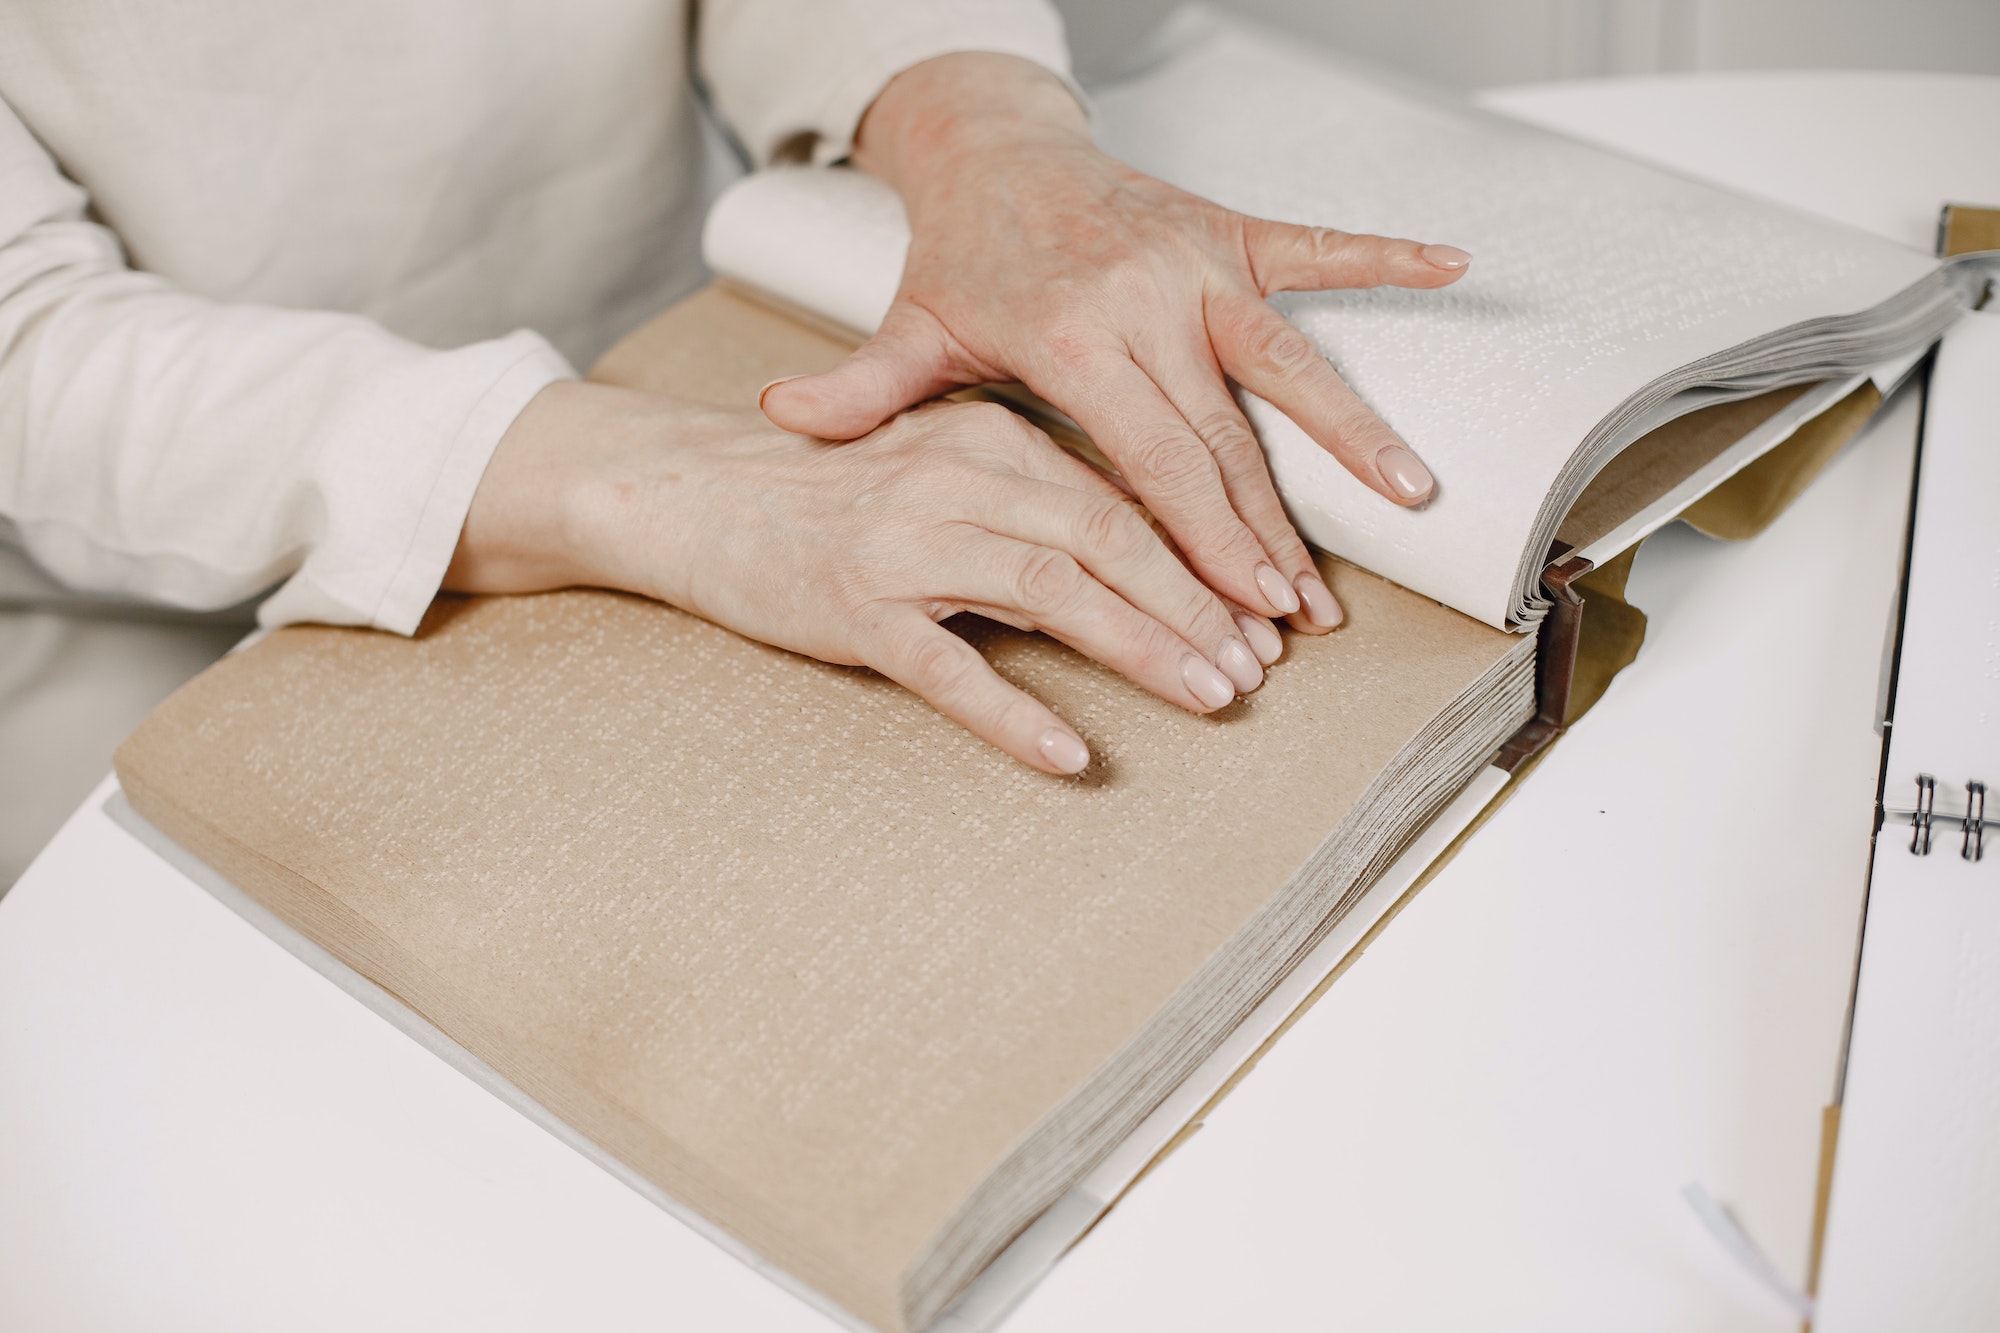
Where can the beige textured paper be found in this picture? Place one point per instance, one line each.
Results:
(772, 932)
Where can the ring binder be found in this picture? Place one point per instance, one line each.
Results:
(1972, 824)
(1920, 818)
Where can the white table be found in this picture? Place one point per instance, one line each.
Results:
(1486, 1124)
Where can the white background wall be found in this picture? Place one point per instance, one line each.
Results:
(1475, 43)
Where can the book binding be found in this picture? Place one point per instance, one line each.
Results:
(1972, 825)
(1555, 658)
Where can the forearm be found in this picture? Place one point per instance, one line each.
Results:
(948, 113)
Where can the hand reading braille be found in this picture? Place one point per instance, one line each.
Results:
(854, 552)
(1124, 302)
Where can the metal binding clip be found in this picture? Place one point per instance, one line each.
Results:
(1920, 818)
(1975, 821)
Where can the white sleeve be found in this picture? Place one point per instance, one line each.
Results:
(793, 78)
(158, 445)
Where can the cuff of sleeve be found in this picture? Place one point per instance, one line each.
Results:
(849, 101)
(834, 114)
(395, 502)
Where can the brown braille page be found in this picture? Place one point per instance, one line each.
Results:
(774, 933)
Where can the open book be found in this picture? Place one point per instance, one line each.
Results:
(890, 1015)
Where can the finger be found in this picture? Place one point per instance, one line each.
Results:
(1286, 258)
(1261, 635)
(1125, 413)
(1258, 631)
(948, 673)
(910, 359)
(1111, 542)
(1273, 360)
(1052, 592)
(1196, 389)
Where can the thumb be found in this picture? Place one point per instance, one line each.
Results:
(907, 361)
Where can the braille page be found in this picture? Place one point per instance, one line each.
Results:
(1592, 277)
(774, 933)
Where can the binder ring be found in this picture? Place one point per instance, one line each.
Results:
(1920, 818)
(1974, 846)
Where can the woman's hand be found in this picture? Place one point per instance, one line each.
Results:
(852, 553)
(1120, 300)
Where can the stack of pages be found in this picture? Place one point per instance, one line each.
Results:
(863, 997)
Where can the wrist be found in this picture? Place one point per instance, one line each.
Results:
(529, 526)
(954, 108)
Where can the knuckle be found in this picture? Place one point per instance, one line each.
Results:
(1328, 244)
(1236, 322)
(1201, 611)
(1229, 439)
(936, 665)
(986, 418)
(1023, 436)
(991, 427)
(1046, 582)
(1174, 467)
(1362, 433)
(1287, 548)
(926, 417)
(1267, 516)
(1113, 528)
(975, 431)
(1071, 344)
(1278, 349)
(1130, 282)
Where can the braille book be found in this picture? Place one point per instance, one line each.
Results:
(889, 1015)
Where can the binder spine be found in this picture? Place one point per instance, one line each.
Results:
(1972, 825)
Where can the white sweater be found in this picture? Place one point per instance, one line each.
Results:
(276, 276)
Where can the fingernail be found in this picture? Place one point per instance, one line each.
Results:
(1321, 608)
(782, 379)
(1404, 471)
(1237, 663)
(1065, 753)
(1276, 591)
(1263, 640)
(1205, 682)
(1445, 256)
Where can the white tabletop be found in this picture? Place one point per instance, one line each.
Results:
(1633, 979)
